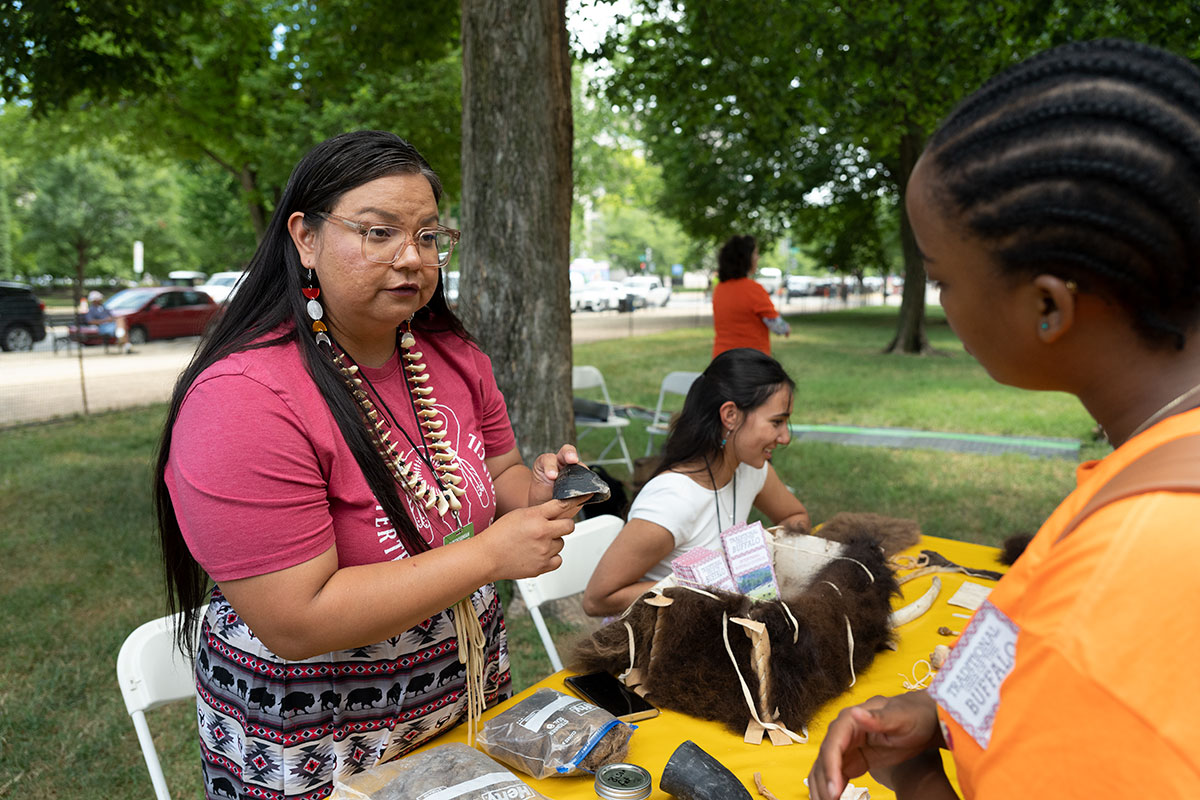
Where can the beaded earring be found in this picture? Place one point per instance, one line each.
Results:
(311, 291)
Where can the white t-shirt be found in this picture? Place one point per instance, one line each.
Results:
(689, 511)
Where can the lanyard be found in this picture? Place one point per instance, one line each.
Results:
(717, 499)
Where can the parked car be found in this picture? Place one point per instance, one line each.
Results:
(801, 285)
(770, 278)
(155, 312)
(222, 285)
(649, 289)
(598, 296)
(22, 317)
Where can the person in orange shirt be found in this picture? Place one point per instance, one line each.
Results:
(742, 310)
(1058, 211)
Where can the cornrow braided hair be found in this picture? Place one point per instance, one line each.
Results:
(1084, 162)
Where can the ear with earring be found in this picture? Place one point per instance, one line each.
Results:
(309, 288)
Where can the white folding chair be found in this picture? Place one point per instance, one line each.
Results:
(581, 552)
(583, 379)
(152, 673)
(660, 425)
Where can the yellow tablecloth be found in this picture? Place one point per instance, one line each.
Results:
(783, 768)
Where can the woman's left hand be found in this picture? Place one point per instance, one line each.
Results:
(545, 470)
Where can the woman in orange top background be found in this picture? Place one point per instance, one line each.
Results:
(742, 310)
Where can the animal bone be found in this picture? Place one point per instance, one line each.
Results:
(917, 607)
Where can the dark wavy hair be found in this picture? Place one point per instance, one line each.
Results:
(1084, 162)
(268, 310)
(745, 376)
(735, 259)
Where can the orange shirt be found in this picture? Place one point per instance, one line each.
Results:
(1102, 700)
(739, 306)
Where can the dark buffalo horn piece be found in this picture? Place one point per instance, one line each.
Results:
(693, 774)
(936, 559)
(576, 480)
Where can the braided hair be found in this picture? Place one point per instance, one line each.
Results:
(1084, 162)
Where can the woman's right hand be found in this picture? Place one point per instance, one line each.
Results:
(526, 541)
(875, 735)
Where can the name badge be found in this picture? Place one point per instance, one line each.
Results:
(968, 685)
(465, 532)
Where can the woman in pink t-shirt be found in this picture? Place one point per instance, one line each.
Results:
(339, 461)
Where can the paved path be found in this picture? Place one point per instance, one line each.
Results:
(42, 384)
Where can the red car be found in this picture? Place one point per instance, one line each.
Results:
(154, 312)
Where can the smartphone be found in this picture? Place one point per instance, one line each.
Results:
(605, 691)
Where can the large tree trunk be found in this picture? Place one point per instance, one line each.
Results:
(248, 178)
(910, 330)
(514, 291)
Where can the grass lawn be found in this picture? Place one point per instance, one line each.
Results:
(81, 565)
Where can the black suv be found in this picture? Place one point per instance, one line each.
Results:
(22, 317)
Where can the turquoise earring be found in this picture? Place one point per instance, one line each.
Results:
(1045, 326)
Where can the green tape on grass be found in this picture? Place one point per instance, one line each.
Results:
(1059, 444)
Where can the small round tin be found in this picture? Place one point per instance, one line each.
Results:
(622, 782)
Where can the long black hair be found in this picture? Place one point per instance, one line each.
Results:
(1084, 162)
(268, 310)
(735, 259)
(744, 376)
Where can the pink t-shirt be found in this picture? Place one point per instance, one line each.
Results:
(262, 479)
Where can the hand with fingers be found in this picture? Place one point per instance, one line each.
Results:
(526, 542)
(545, 469)
(896, 739)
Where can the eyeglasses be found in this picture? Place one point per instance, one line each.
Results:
(383, 244)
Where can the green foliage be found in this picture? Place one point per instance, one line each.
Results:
(615, 215)
(246, 86)
(751, 105)
(6, 239)
(88, 205)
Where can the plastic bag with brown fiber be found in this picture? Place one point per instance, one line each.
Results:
(452, 771)
(552, 734)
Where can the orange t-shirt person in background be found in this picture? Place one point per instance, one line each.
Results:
(1076, 679)
(743, 314)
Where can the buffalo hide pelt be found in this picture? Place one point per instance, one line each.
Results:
(682, 662)
(893, 534)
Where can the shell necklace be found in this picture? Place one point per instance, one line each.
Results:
(441, 458)
(438, 454)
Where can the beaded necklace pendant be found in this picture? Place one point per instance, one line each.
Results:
(442, 459)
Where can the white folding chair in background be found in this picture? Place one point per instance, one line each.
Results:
(152, 673)
(675, 383)
(581, 552)
(589, 378)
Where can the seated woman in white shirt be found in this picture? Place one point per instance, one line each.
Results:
(716, 465)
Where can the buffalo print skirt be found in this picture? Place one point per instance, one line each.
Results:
(272, 728)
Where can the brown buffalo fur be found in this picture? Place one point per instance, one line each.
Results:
(1013, 547)
(690, 670)
(892, 533)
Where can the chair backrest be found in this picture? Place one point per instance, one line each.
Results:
(581, 551)
(582, 548)
(151, 673)
(150, 670)
(588, 377)
(674, 383)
